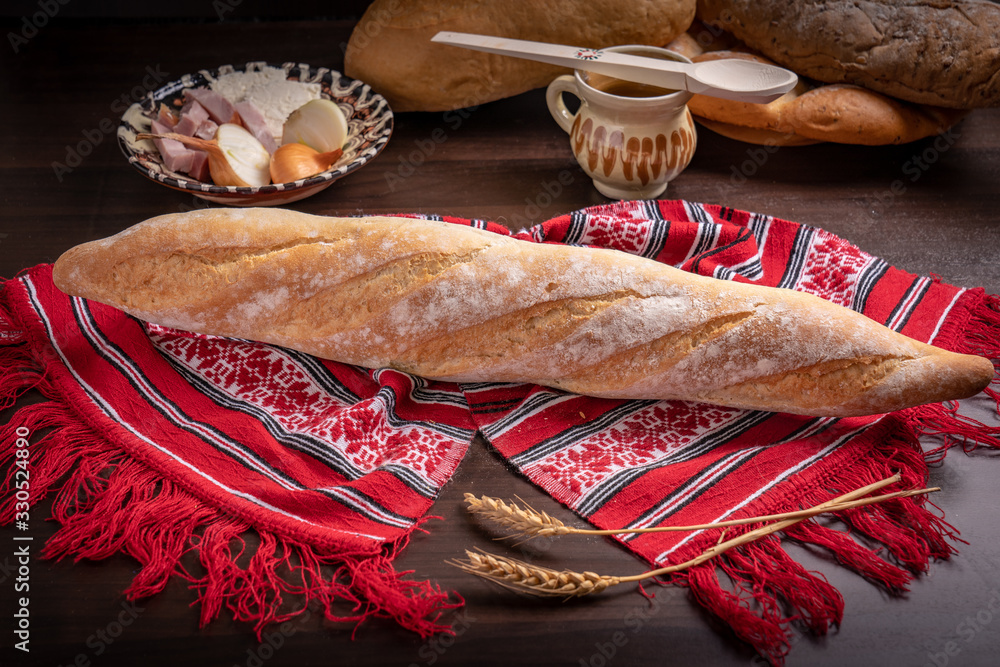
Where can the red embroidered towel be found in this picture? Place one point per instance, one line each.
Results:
(201, 438)
(187, 441)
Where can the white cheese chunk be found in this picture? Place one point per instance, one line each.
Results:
(270, 91)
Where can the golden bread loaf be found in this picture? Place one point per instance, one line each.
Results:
(390, 47)
(812, 112)
(450, 302)
(838, 113)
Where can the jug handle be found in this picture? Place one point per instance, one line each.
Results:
(554, 99)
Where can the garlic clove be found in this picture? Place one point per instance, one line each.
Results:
(319, 124)
(292, 162)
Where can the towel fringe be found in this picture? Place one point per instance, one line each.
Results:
(107, 503)
(980, 335)
(886, 543)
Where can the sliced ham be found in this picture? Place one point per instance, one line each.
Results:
(206, 130)
(192, 116)
(195, 122)
(178, 158)
(175, 156)
(219, 108)
(253, 120)
(203, 111)
(199, 167)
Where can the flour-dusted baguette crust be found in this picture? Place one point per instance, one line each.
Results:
(940, 52)
(452, 302)
(390, 48)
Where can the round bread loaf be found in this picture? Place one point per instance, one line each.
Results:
(936, 52)
(390, 48)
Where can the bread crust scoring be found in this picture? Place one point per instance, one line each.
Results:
(452, 302)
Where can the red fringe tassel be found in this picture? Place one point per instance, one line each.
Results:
(770, 590)
(107, 503)
(981, 336)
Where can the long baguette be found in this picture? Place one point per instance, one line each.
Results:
(450, 302)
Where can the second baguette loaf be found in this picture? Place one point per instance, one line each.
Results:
(836, 112)
(455, 303)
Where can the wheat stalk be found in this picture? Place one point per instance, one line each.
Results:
(542, 581)
(533, 579)
(528, 522)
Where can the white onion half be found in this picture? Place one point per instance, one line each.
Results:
(319, 124)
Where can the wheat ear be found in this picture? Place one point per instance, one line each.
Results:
(533, 579)
(528, 522)
(542, 581)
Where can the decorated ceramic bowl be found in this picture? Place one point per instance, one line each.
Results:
(369, 123)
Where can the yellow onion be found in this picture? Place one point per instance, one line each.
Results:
(235, 157)
(294, 161)
(319, 124)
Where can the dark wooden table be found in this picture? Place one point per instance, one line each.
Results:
(506, 161)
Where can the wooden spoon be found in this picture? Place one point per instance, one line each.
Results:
(731, 79)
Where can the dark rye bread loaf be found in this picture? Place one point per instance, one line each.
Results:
(450, 302)
(934, 52)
